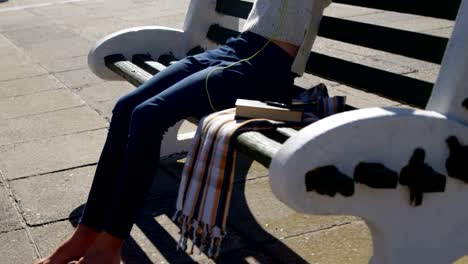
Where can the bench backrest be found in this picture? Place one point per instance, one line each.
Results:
(222, 21)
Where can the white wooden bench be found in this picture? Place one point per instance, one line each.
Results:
(314, 171)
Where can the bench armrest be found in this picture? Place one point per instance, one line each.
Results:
(152, 40)
(390, 137)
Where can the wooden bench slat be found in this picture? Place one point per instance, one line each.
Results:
(126, 69)
(240, 9)
(287, 131)
(432, 8)
(220, 34)
(390, 85)
(409, 44)
(147, 63)
(257, 146)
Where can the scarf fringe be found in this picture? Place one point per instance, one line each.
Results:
(207, 238)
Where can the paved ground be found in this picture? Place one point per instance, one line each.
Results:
(54, 115)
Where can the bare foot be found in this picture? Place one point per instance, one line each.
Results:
(105, 250)
(74, 247)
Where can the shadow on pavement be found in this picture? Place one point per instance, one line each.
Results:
(161, 203)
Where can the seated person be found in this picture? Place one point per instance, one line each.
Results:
(276, 42)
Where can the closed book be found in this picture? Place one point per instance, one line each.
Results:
(257, 109)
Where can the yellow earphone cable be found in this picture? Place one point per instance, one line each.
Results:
(283, 4)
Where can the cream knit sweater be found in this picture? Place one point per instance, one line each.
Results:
(293, 21)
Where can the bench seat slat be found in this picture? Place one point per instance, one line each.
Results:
(257, 146)
(127, 70)
(147, 63)
(432, 8)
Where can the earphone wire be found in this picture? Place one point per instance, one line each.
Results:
(282, 13)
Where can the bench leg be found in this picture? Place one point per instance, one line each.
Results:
(418, 243)
(432, 232)
(175, 142)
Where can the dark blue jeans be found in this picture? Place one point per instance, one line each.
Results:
(129, 160)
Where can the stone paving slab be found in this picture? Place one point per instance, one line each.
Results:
(386, 65)
(48, 236)
(420, 24)
(78, 78)
(175, 20)
(30, 85)
(9, 218)
(161, 200)
(50, 124)
(13, 57)
(245, 168)
(25, 37)
(155, 239)
(139, 13)
(361, 99)
(105, 91)
(350, 244)
(42, 102)
(264, 212)
(103, 96)
(103, 5)
(104, 108)
(63, 10)
(345, 11)
(15, 3)
(245, 256)
(429, 75)
(355, 49)
(156, 8)
(384, 18)
(59, 49)
(52, 154)
(6, 44)
(64, 64)
(20, 71)
(187, 127)
(462, 260)
(15, 248)
(309, 81)
(445, 32)
(21, 19)
(151, 244)
(338, 50)
(97, 28)
(413, 64)
(54, 196)
(327, 47)
(165, 187)
(99, 9)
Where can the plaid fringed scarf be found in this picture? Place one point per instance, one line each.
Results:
(207, 179)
